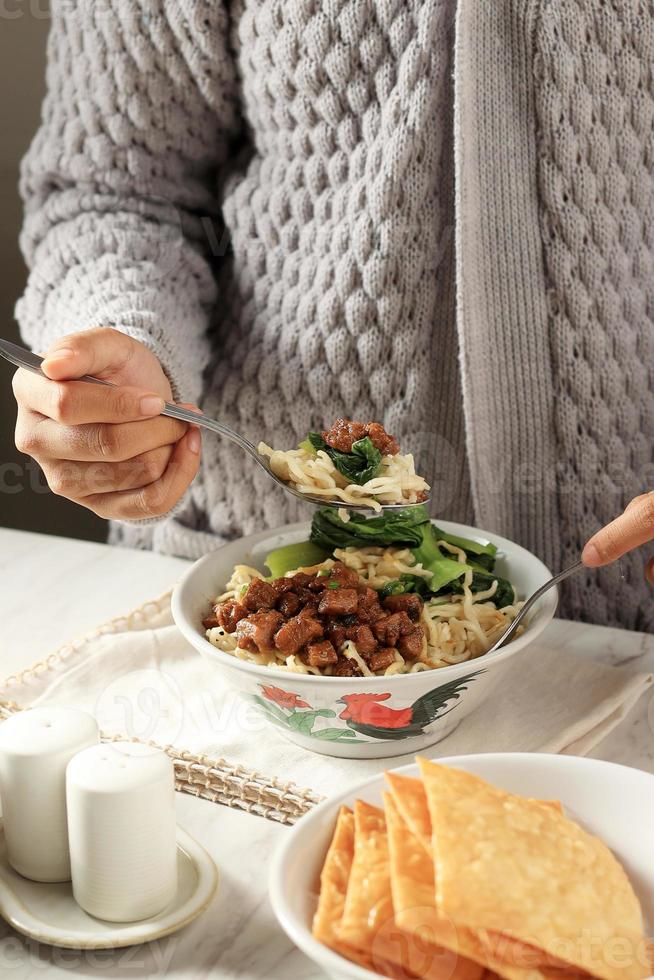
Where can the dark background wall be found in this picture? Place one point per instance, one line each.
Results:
(25, 501)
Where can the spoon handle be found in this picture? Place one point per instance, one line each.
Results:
(27, 359)
(197, 418)
(532, 600)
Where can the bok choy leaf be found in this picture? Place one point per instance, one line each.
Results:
(303, 554)
(400, 527)
(359, 466)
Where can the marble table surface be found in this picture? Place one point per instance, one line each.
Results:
(54, 589)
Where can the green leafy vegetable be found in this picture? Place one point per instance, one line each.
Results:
(292, 556)
(396, 587)
(445, 572)
(400, 527)
(308, 447)
(409, 527)
(412, 528)
(477, 553)
(316, 441)
(504, 595)
(358, 466)
(443, 568)
(481, 580)
(407, 583)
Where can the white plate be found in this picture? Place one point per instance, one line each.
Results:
(614, 802)
(50, 914)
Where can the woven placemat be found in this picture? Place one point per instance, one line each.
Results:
(224, 782)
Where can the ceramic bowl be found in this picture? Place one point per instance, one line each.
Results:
(614, 802)
(331, 715)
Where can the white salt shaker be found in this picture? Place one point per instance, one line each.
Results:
(121, 818)
(35, 747)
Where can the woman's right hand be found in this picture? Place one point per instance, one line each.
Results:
(108, 450)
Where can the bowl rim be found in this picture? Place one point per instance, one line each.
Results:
(207, 649)
(300, 933)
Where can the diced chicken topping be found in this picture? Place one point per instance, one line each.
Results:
(289, 604)
(314, 616)
(411, 604)
(230, 614)
(389, 629)
(320, 654)
(363, 639)
(338, 602)
(346, 577)
(257, 631)
(410, 645)
(297, 632)
(346, 668)
(382, 659)
(211, 621)
(344, 433)
(259, 595)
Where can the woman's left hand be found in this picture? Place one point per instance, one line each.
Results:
(631, 529)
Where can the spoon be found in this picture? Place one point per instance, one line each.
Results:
(24, 358)
(531, 601)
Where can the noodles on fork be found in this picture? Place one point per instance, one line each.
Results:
(351, 462)
(397, 483)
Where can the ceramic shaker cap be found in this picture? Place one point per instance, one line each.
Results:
(35, 747)
(121, 818)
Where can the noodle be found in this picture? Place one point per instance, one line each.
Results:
(457, 627)
(350, 651)
(397, 482)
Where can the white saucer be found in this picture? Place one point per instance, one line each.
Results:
(50, 914)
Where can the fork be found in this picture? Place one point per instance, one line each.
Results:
(24, 358)
(531, 602)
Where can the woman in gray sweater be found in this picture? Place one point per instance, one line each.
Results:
(387, 209)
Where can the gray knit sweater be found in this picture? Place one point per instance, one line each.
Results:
(438, 218)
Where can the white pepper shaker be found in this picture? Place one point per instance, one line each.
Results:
(35, 747)
(121, 818)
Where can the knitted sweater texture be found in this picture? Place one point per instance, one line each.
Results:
(436, 216)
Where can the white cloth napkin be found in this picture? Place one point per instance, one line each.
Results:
(139, 677)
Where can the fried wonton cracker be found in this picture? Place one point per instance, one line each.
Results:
(512, 869)
(412, 890)
(334, 879)
(411, 801)
(368, 922)
(414, 901)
